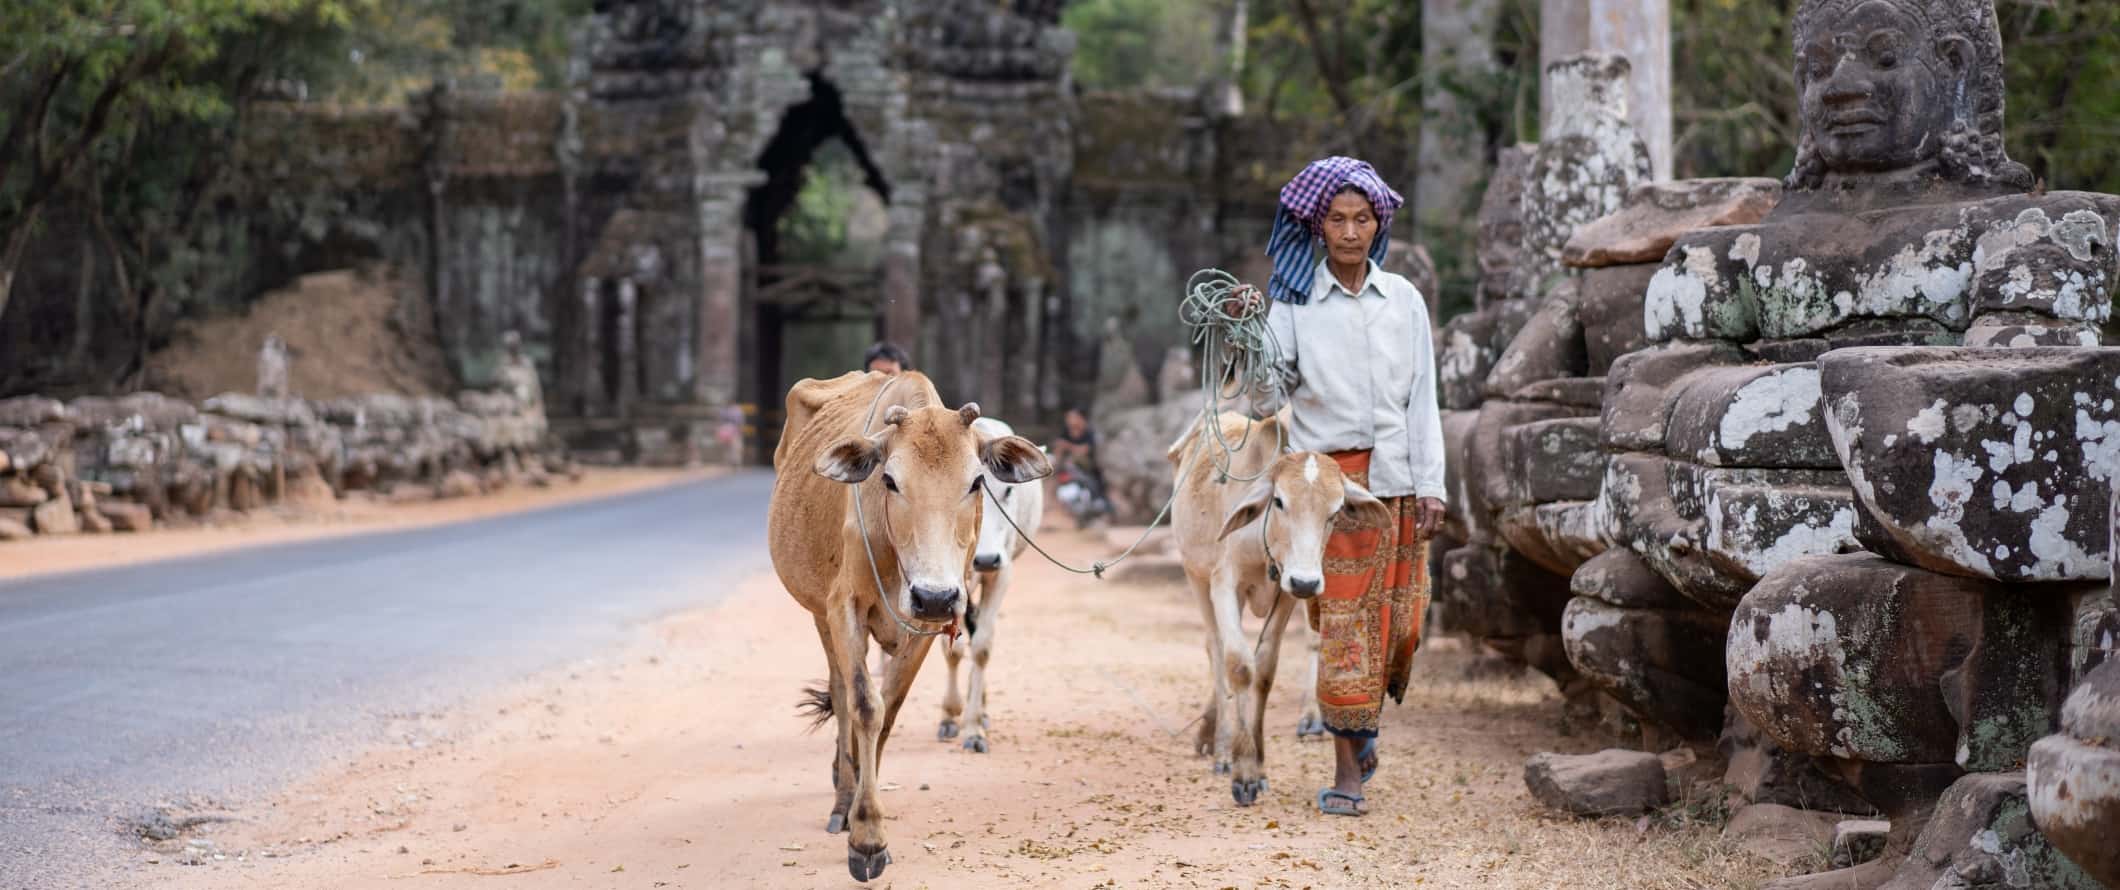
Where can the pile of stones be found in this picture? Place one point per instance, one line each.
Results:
(102, 464)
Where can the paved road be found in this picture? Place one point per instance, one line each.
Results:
(222, 676)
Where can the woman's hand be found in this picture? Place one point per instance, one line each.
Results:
(1427, 517)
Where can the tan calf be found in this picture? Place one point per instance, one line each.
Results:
(915, 469)
(1252, 534)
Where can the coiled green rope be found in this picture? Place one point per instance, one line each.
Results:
(1239, 359)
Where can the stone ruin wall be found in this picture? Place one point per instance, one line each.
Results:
(1821, 477)
(126, 464)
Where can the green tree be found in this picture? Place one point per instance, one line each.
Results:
(80, 75)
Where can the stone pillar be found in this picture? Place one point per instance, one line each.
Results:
(721, 284)
(585, 385)
(1637, 29)
(1227, 97)
(1457, 46)
(625, 343)
(901, 267)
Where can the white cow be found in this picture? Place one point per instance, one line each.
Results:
(993, 560)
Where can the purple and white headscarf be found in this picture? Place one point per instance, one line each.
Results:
(1299, 224)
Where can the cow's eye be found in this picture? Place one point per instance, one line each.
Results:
(1277, 504)
(1006, 492)
(890, 484)
(975, 485)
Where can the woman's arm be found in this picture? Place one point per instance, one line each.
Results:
(1281, 341)
(1424, 417)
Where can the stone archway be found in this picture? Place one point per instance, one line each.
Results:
(814, 293)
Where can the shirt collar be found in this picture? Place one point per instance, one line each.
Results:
(1324, 285)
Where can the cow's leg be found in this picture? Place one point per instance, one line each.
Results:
(1213, 737)
(1268, 658)
(905, 666)
(842, 746)
(866, 853)
(993, 585)
(1312, 722)
(1238, 668)
(952, 704)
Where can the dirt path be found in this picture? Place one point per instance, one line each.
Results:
(45, 555)
(680, 763)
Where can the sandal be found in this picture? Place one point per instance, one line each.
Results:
(1369, 753)
(1329, 803)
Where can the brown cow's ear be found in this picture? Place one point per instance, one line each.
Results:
(850, 460)
(1363, 505)
(1014, 460)
(1248, 510)
(895, 415)
(968, 413)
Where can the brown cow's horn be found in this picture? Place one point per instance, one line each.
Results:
(969, 412)
(896, 415)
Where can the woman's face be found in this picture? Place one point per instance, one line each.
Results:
(1350, 227)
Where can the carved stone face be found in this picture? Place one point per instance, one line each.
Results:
(1879, 88)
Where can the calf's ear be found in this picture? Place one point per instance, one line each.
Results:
(1014, 460)
(1364, 506)
(1256, 500)
(850, 460)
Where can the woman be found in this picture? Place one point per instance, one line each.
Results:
(1357, 367)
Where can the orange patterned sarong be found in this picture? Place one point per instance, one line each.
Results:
(1369, 616)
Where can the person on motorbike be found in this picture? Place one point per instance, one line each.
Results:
(1076, 451)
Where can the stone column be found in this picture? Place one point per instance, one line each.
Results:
(901, 267)
(721, 284)
(1637, 29)
(624, 343)
(1457, 47)
(585, 389)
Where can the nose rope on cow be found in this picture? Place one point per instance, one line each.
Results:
(1227, 319)
(861, 521)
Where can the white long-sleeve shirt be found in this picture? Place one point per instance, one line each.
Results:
(1360, 370)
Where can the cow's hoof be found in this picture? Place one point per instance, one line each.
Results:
(975, 744)
(836, 824)
(867, 866)
(1310, 727)
(1247, 793)
(947, 731)
(1222, 767)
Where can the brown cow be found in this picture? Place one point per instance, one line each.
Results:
(1251, 525)
(915, 469)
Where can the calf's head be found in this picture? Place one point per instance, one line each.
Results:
(931, 466)
(1295, 504)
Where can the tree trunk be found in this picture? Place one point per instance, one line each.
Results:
(11, 255)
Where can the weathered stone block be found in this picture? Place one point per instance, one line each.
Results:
(1549, 346)
(1576, 392)
(2050, 253)
(55, 517)
(1494, 593)
(1609, 308)
(1552, 460)
(29, 411)
(1486, 473)
(1638, 387)
(1558, 537)
(1780, 834)
(127, 517)
(1609, 783)
(1856, 657)
(2074, 777)
(18, 491)
(1656, 214)
(1665, 665)
(1991, 463)
(1982, 836)
(1467, 346)
(1759, 519)
(1751, 416)
(2020, 330)
(1620, 578)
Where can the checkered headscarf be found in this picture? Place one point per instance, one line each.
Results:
(1299, 224)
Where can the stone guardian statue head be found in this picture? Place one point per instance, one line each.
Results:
(1888, 86)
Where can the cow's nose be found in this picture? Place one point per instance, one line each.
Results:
(986, 562)
(1304, 588)
(934, 604)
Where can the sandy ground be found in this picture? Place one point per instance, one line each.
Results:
(679, 762)
(45, 555)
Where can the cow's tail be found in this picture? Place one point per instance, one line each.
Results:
(816, 704)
